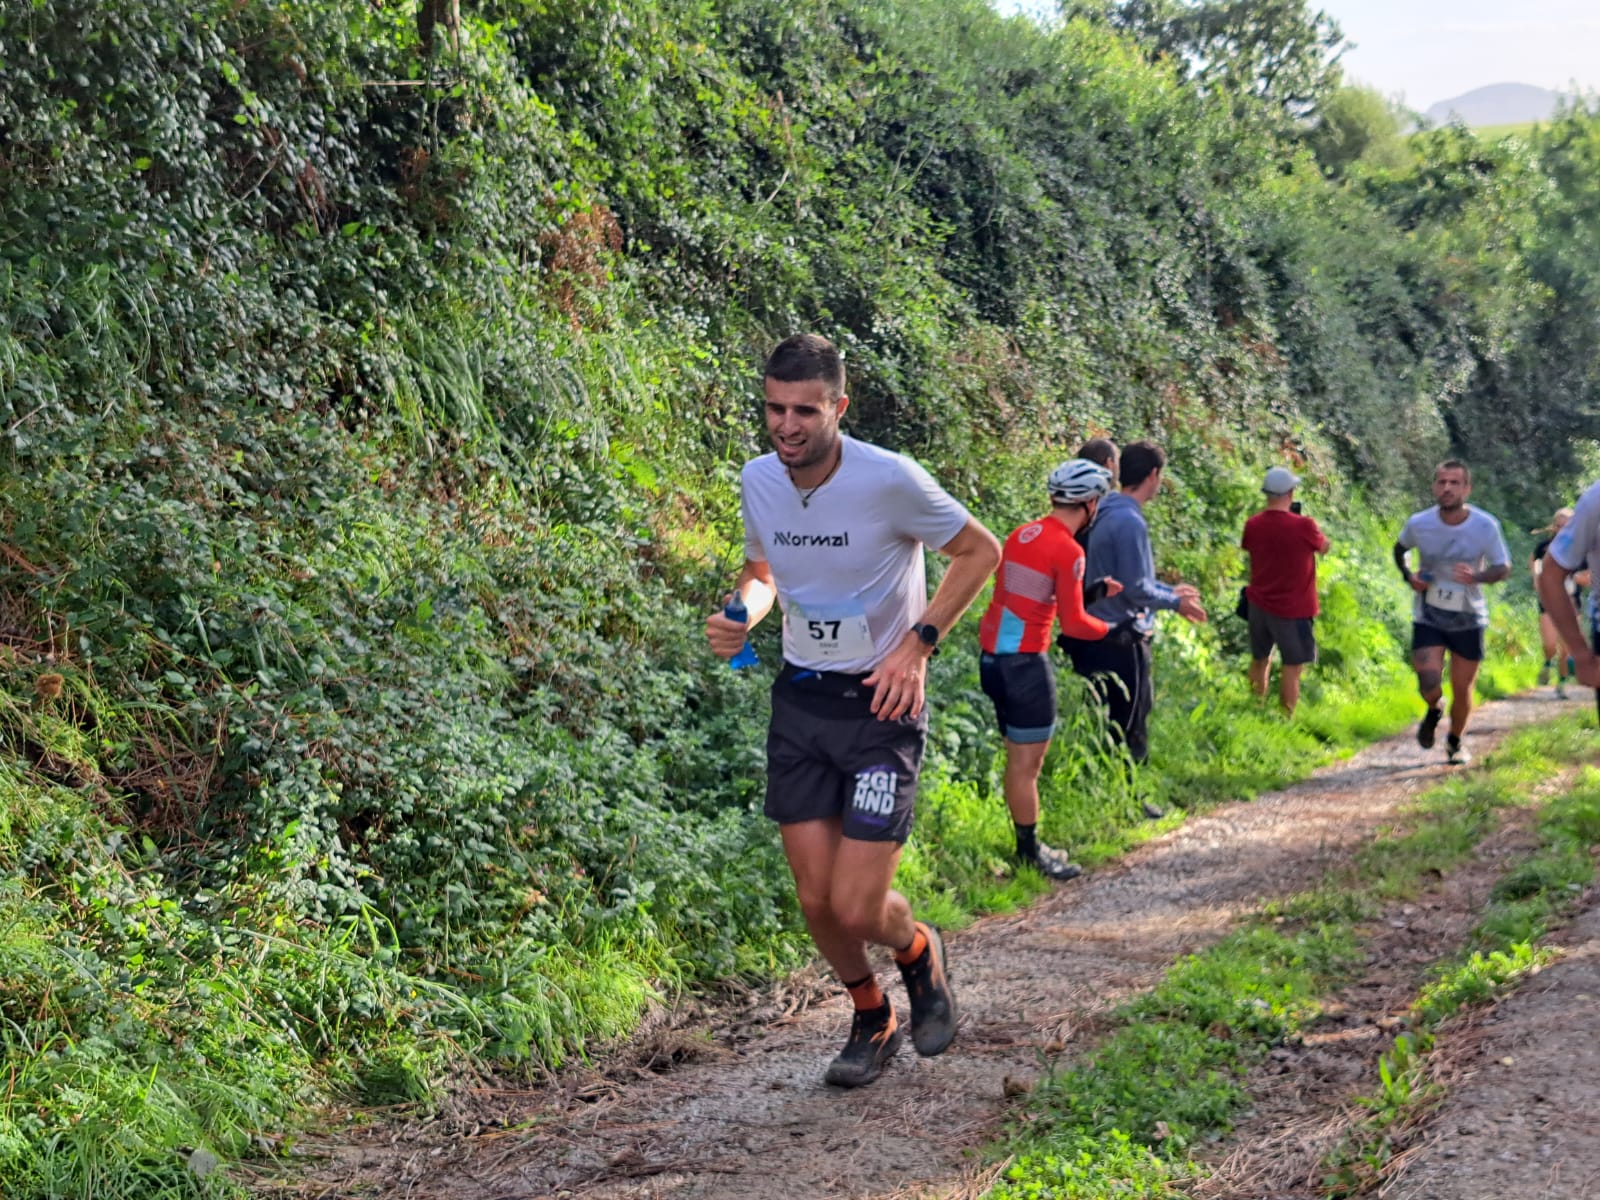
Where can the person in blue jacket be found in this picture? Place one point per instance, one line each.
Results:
(1118, 665)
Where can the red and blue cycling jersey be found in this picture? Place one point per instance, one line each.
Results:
(1040, 579)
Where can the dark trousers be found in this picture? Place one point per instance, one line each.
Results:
(1120, 676)
(1594, 644)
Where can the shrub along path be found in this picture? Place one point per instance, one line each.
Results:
(736, 1108)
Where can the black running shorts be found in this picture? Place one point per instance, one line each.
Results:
(1295, 637)
(1463, 643)
(1023, 688)
(828, 756)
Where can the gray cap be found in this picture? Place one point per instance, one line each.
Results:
(1280, 481)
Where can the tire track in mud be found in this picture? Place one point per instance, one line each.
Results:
(747, 1116)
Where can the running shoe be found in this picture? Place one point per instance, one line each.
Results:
(1456, 753)
(874, 1037)
(1429, 728)
(1561, 689)
(933, 1007)
(1051, 863)
(1544, 675)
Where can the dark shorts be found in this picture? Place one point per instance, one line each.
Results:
(828, 756)
(1294, 637)
(1023, 688)
(1463, 643)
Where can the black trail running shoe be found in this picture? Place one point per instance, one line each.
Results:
(874, 1037)
(1051, 863)
(1429, 728)
(933, 1007)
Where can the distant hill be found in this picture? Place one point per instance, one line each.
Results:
(1498, 104)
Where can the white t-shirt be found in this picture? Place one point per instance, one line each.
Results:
(848, 563)
(1477, 542)
(1578, 543)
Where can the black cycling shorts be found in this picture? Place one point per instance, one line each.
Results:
(828, 756)
(1023, 688)
(1463, 643)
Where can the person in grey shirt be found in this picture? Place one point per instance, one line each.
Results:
(1461, 549)
(1575, 548)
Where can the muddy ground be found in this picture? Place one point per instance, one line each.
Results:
(732, 1106)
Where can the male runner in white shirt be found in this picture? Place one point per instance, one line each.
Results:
(834, 530)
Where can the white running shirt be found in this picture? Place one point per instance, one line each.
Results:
(1578, 543)
(848, 564)
(1477, 542)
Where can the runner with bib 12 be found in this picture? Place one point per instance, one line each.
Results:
(1461, 549)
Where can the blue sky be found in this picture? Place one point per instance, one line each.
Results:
(1431, 50)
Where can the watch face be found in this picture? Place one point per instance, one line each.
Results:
(929, 634)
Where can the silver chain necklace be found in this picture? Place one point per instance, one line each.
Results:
(806, 493)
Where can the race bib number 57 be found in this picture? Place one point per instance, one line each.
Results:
(836, 635)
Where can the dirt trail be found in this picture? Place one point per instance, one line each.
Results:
(1520, 1118)
(747, 1116)
(1519, 1078)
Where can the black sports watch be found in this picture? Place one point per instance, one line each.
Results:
(929, 635)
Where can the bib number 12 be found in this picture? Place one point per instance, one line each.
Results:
(1452, 597)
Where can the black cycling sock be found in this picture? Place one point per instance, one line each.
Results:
(1027, 839)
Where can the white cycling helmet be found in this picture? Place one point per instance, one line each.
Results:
(1078, 481)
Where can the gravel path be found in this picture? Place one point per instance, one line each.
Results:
(1523, 1117)
(743, 1115)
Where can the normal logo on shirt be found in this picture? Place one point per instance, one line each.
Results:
(875, 793)
(780, 538)
(1027, 535)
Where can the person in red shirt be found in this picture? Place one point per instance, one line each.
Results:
(1040, 581)
(1282, 596)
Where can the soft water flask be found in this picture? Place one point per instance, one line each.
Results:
(736, 611)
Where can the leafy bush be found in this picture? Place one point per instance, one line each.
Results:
(373, 418)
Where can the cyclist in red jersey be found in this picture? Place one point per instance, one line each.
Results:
(1040, 580)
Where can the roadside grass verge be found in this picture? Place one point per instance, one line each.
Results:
(1120, 1124)
(1503, 950)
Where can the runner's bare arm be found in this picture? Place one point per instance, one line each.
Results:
(1563, 615)
(755, 584)
(898, 682)
(1465, 574)
(974, 554)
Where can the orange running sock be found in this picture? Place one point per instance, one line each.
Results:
(919, 943)
(865, 994)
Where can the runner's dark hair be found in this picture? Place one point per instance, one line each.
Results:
(1139, 461)
(1455, 464)
(807, 356)
(1102, 451)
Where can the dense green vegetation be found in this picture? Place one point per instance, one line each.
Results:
(372, 414)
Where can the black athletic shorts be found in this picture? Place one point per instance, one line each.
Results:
(1295, 637)
(1023, 688)
(1463, 643)
(828, 756)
